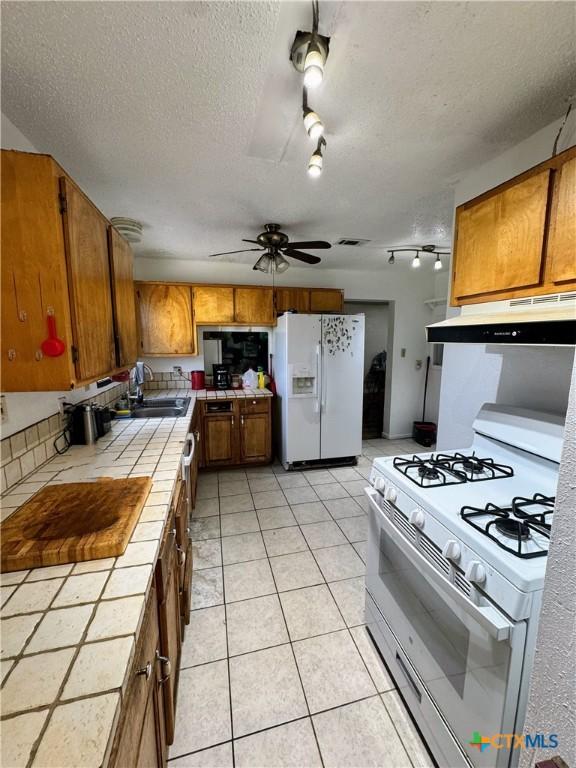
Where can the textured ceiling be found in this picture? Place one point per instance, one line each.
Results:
(186, 115)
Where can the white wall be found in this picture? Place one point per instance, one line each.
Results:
(552, 697)
(406, 289)
(26, 408)
(534, 377)
(375, 327)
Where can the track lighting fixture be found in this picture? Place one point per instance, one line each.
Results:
(315, 164)
(416, 262)
(314, 126)
(314, 64)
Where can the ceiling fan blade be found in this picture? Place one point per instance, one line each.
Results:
(249, 241)
(307, 257)
(225, 253)
(310, 244)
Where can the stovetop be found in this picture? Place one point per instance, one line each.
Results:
(442, 469)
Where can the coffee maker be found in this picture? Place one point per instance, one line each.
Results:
(221, 376)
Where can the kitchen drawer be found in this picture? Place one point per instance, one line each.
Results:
(218, 407)
(254, 405)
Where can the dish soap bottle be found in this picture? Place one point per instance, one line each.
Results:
(261, 379)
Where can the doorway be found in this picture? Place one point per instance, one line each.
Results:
(376, 363)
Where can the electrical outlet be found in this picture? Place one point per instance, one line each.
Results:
(177, 369)
(403, 352)
(418, 364)
(61, 402)
(3, 408)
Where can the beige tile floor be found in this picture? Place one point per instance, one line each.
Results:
(277, 666)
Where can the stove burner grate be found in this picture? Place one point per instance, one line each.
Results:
(518, 522)
(427, 473)
(449, 469)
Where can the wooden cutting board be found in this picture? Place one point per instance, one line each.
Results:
(72, 522)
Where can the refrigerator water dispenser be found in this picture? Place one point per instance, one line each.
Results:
(302, 381)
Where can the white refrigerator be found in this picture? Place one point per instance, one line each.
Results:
(319, 370)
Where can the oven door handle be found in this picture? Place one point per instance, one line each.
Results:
(487, 616)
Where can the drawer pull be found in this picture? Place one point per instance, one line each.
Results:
(166, 666)
(147, 670)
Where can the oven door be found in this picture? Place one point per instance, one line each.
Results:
(467, 656)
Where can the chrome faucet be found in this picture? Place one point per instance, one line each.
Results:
(138, 376)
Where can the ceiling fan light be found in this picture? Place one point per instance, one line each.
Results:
(280, 263)
(438, 263)
(315, 164)
(416, 261)
(264, 264)
(314, 126)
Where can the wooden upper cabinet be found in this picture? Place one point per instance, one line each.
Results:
(326, 300)
(121, 269)
(518, 239)
(86, 239)
(254, 306)
(165, 319)
(292, 298)
(213, 304)
(500, 240)
(562, 238)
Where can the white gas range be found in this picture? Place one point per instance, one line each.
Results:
(455, 570)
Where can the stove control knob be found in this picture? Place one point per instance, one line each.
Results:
(379, 484)
(475, 572)
(452, 550)
(391, 494)
(417, 518)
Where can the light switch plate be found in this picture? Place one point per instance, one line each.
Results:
(3, 408)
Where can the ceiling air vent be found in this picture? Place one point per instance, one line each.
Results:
(357, 242)
(128, 228)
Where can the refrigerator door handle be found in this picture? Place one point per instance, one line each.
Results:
(322, 383)
(317, 405)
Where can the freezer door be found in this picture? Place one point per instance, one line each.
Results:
(301, 423)
(341, 385)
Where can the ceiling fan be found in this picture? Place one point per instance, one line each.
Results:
(276, 245)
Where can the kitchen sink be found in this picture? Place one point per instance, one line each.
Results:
(161, 407)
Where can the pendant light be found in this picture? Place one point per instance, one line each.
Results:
(416, 261)
(438, 263)
(391, 260)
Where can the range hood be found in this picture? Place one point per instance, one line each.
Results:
(537, 320)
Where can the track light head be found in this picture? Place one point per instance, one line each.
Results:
(438, 263)
(416, 261)
(391, 259)
(314, 126)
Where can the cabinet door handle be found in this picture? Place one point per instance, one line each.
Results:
(166, 666)
(232, 420)
(147, 670)
(242, 420)
(181, 555)
(197, 435)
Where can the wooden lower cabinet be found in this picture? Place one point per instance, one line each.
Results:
(237, 431)
(220, 434)
(141, 735)
(168, 589)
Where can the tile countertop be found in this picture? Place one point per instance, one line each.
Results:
(68, 632)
